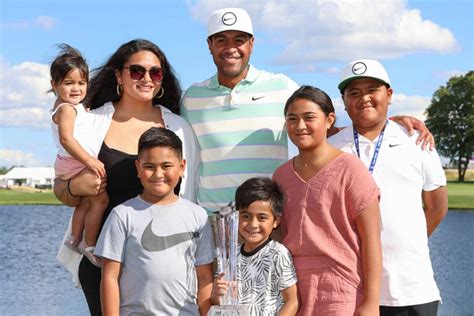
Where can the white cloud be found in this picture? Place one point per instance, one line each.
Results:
(23, 97)
(16, 25)
(18, 158)
(413, 105)
(45, 22)
(42, 21)
(339, 30)
(446, 75)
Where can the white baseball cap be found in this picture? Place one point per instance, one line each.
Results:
(363, 68)
(229, 19)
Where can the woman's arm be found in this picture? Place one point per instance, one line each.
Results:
(290, 297)
(109, 287)
(368, 227)
(86, 183)
(204, 278)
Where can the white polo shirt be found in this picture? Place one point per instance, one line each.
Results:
(402, 171)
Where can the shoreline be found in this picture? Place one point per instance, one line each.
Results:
(456, 209)
(460, 196)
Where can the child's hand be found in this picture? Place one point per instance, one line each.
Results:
(219, 288)
(96, 166)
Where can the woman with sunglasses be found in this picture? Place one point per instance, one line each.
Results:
(134, 90)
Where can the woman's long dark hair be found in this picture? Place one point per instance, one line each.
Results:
(103, 85)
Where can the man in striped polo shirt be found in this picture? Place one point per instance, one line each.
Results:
(237, 115)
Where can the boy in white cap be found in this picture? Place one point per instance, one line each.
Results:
(412, 185)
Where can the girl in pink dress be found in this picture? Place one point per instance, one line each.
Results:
(331, 219)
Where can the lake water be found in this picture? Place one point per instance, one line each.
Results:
(33, 283)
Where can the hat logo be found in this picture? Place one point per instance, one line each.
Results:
(229, 18)
(359, 68)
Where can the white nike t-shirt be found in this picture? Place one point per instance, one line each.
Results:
(159, 247)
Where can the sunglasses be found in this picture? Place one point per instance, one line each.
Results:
(137, 72)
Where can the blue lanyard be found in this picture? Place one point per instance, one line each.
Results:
(377, 146)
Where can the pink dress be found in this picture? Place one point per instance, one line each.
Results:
(320, 231)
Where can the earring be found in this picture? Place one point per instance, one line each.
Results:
(119, 89)
(162, 92)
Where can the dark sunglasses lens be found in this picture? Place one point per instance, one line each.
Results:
(156, 74)
(137, 72)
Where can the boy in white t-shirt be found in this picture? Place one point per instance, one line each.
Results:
(265, 274)
(157, 230)
(412, 184)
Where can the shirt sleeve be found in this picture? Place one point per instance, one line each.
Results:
(361, 188)
(112, 239)
(284, 268)
(193, 160)
(205, 251)
(433, 173)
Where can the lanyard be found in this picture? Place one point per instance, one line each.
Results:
(377, 146)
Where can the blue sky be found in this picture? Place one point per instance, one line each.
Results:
(421, 43)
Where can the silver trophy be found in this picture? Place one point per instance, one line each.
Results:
(225, 225)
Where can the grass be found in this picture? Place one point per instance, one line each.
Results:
(16, 197)
(452, 174)
(460, 194)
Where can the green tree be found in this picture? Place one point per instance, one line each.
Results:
(451, 120)
(4, 170)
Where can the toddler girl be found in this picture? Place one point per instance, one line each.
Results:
(77, 144)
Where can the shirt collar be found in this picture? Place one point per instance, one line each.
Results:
(252, 75)
(390, 131)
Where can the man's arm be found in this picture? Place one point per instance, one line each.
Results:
(435, 204)
(109, 287)
(411, 124)
(204, 278)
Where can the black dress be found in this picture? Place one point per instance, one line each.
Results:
(122, 185)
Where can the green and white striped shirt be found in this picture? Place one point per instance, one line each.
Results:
(240, 131)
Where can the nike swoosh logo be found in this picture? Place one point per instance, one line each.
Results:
(393, 145)
(152, 242)
(357, 69)
(228, 19)
(257, 98)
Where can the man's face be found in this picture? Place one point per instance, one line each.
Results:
(231, 53)
(366, 101)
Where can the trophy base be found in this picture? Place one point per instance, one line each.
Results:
(228, 310)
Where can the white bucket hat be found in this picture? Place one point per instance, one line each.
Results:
(229, 19)
(363, 68)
